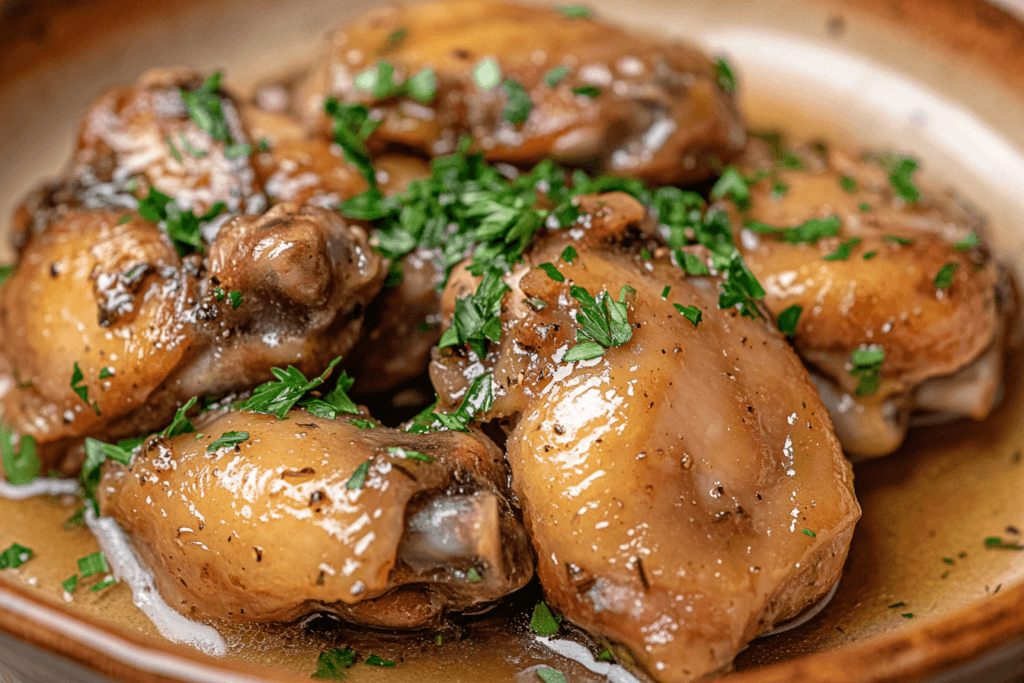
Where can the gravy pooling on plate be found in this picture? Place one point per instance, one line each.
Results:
(617, 403)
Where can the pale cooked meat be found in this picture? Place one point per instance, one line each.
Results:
(666, 485)
(889, 299)
(659, 112)
(150, 330)
(272, 529)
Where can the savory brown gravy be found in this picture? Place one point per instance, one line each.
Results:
(961, 476)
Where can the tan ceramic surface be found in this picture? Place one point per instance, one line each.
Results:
(949, 487)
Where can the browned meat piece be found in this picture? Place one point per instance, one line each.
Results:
(627, 104)
(684, 492)
(280, 526)
(149, 330)
(883, 295)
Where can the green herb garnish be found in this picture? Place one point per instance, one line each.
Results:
(603, 323)
(83, 391)
(808, 232)
(487, 74)
(575, 11)
(543, 622)
(569, 254)
(473, 576)
(180, 424)
(15, 556)
(788, 320)
(331, 665)
(205, 109)
(844, 250)
(605, 656)
(70, 584)
(725, 74)
(351, 127)
(591, 91)
(968, 242)
(691, 313)
(235, 297)
(96, 563)
(848, 184)
(374, 660)
(732, 185)
(174, 150)
(478, 399)
(183, 227)
(519, 105)
(808, 532)
(901, 169)
(7, 271)
(999, 544)
(944, 278)
(277, 397)
(691, 263)
(363, 424)
(228, 440)
(476, 316)
(358, 477)
(867, 364)
(409, 454)
(549, 675)
(552, 271)
(555, 75)
(896, 239)
(870, 255)
(104, 584)
(21, 466)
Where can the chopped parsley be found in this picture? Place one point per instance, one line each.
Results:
(7, 271)
(999, 544)
(396, 37)
(478, 399)
(907, 615)
(575, 11)
(96, 563)
(665, 292)
(374, 660)
(476, 316)
(791, 161)
(789, 319)
(569, 254)
(808, 532)
(552, 271)
(409, 454)
(183, 227)
(180, 424)
(691, 313)
(901, 169)
(603, 323)
(422, 87)
(228, 440)
(487, 74)
(351, 127)
(205, 109)
(844, 250)
(896, 239)
(380, 82)
(70, 584)
(870, 255)
(605, 656)
(867, 364)
(808, 232)
(277, 397)
(555, 75)
(944, 278)
(725, 74)
(549, 675)
(897, 605)
(107, 371)
(543, 622)
(691, 263)
(848, 184)
(473, 576)
(968, 242)
(174, 150)
(234, 151)
(83, 391)
(519, 105)
(15, 556)
(331, 665)
(591, 91)
(732, 185)
(363, 424)
(646, 255)
(235, 297)
(23, 465)
(864, 206)
(193, 152)
(358, 478)
(104, 584)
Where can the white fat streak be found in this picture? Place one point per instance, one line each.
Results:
(615, 673)
(41, 486)
(127, 567)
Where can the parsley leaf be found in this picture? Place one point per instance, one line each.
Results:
(280, 396)
(901, 169)
(180, 424)
(808, 532)
(473, 576)
(591, 91)
(183, 227)
(691, 263)
(848, 184)
(70, 584)
(732, 185)
(363, 424)
(691, 313)
(83, 391)
(867, 364)
(968, 242)
(96, 563)
(605, 656)
(575, 11)
(476, 316)
(519, 105)
(569, 254)
(549, 675)
(543, 622)
(555, 75)
(374, 660)
(999, 544)
(808, 232)
(21, 466)
(602, 322)
(725, 74)
(478, 399)
(423, 86)
(204, 108)
(6, 272)
(331, 665)
(228, 440)
(896, 239)
(944, 278)
(15, 556)
(409, 454)
(789, 319)
(552, 271)
(844, 250)
(358, 478)
(105, 583)
(351, 127)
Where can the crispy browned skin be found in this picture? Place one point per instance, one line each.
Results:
(117, 297)
(269, 531)
(889, 300)
(661, 114)
(666, 485)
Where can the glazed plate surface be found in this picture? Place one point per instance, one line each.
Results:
(941, 79)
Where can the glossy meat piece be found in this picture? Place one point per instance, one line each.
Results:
(890, 299)
(117, 297)
(269, 530)
(661, 114)
(666, 485)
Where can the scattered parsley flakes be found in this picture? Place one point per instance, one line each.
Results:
(779, 190)
(605, 656)
(358, 477)
(949, 560)
(192, 151)
(219, 294)
(864, 206)
(645, 255)
(476, 316)
(174, 150)
(543, 622)
(422, 87)
(107, 371)
(691, 313)
(725, 74)
(363, 424)
(487, 74)
(968, 242)
(70, 584)
(473, 576)
(104, 584)
(552, 271)
(7, 271)
(944, 278)
(351, 127)
(808, 532)
(603, 323)
(234, 151)
(519, 105)
(228, 440)
(907, 615)
(549, 675)
(901, 169)
(83, 391)
(575, 11)
(478, 399)
(374, 660)
(998, 543)
(691, 263)
(808, 232)
(397, 36)
(205, 109)
(897, 605)
(664, 292)
(791, 161)
(848, 184)
(789, 319)
(896, 239)
(870, 255)
(96, 563)
(844, 250)
(183, 227)
(331, 664)
(409, 454)
(263, 145)
(732, 185)
(180, 424)
(569, 254)
(867, 364)
(15, 556)
(235, 297)
(591, 91)
(97, 453)
(23, 465)
(555, 75)
(277, 397)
